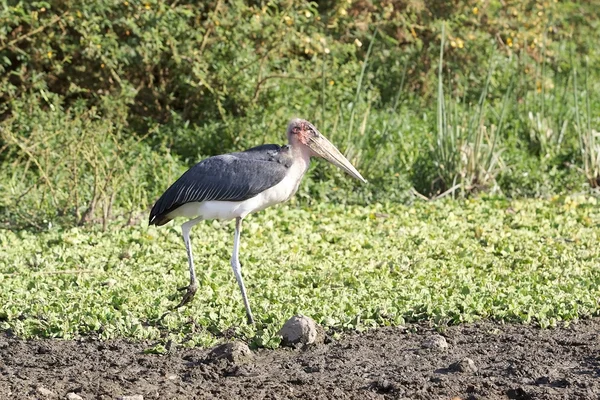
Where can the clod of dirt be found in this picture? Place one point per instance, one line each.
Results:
(134, 397)
(464, 365)
(73, 396)
(435, 342)
(301, 330)
(235, 352)
(518, 394)
(42, 391)
(44, 349)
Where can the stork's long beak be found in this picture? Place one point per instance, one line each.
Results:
(324, 148)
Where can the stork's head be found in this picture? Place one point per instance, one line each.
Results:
(302, 133)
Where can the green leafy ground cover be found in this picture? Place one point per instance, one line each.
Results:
(346, 266)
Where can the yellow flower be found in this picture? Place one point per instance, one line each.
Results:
(126, 3)
(49, 54)
(509, 42)
(452, 43)
(307, 14)
(331, 82)
(358, 42)
(288, 20)
(102, 65)
(475, 10)
(460, 43)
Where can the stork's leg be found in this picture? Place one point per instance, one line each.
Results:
(237, 268)
(193, 287)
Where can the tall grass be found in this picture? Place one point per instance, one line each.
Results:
(545, 112)
(466, 152)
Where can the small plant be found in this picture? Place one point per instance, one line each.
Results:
(589, 138)
(545, 113)
(543, 136)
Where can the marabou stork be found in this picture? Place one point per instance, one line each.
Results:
(231, 186)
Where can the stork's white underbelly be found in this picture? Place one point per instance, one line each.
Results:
(225, 210)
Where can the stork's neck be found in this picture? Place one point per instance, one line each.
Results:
(301, 154)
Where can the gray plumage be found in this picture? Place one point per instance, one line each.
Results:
(228, 177)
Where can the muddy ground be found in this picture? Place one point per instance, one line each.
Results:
(511, 362)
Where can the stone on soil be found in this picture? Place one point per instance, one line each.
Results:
(73, 396)
(45, 392)
(436, 342)
(301, 330)
(464, 365)
(235, 352)
(133, 397)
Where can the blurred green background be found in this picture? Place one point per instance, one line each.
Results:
(104, 103)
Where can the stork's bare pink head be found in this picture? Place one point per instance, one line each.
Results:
(303, 132)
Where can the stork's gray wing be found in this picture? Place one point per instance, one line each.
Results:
(228, 177)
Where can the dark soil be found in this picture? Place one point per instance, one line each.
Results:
(509, 362)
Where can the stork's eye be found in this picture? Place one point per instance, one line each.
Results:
(296, 130)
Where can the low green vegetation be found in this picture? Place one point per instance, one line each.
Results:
(491, 108)
(348, 267)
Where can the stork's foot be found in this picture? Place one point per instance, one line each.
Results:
(189, 294)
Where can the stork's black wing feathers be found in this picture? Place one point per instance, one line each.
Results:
(228, 177)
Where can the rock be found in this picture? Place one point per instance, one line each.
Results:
(73, 396)
(236, 352)
(436, 342)
(383, 385)
(301, 330)
(464, 365)
(132, 397)
(45, 392)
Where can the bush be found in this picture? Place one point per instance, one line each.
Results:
(104, 82)
(80, 165)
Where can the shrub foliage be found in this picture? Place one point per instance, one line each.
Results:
(96, 96)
